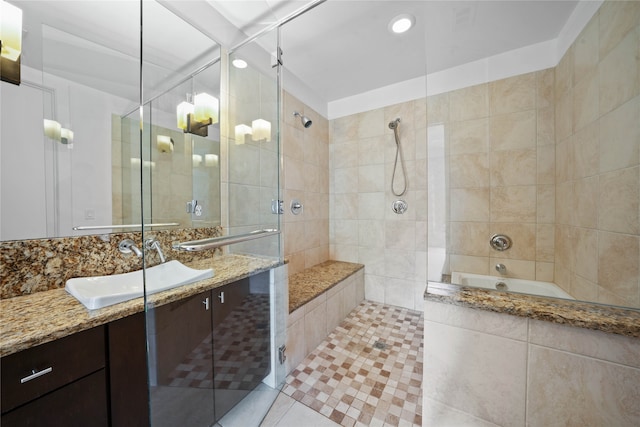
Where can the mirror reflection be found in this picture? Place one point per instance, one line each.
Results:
(71, 129)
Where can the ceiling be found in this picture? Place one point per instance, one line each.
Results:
(342, 47)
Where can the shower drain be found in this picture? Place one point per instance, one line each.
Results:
(380, 345)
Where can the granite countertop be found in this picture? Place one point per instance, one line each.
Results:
(574, 313)
(311, 282)
(30, 320)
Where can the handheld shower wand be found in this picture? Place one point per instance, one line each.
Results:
(395, 125)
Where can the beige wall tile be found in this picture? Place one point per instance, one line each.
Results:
(400, 235)
(513, 167)
(618, 73)
(512, 94)
(438, 108)
(470, 204)
(564, 117)
(523, 237)
(586, 264)
(585, 53)
(462, 381)
(619, 202)
(513, 204)
(596, 344)
(511, 327)
(618, 264)
(469, 170)
(546, 164)
(546, 126)
(546, 204)
(371, 178)
(469, 103)
(619, 136)
(545, 88)
(617, 18)
(544, 271)
(586, 202)
(469, 238)
(370, 151)
(371, 123)
(604, 390)
(582, 289)
(344, 129)
(545, 242)
(565, 213)
(470, 136)
(586, 151)
(344, 155)
(513, 131)
(469, 264)
(585, 101)
(564, 75)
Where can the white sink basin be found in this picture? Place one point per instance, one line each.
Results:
(101, 291)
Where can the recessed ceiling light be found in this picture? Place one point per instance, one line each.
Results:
(401, 23)
(239, 63)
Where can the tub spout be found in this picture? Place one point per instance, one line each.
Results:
(501, 268)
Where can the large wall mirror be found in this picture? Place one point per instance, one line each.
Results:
(73, 151)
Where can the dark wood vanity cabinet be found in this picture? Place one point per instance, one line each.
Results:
(62, 382)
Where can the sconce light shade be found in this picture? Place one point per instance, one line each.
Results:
(66, 136)
(10, 31)
(52, 129)
(261, 130)
(211, 160)
(164, 143)
(197, 159)
(184, 109)
(241, 131)
(206, 107)
(11, 41)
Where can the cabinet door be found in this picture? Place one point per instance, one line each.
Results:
(241, 340)
(180, 362)
(128, 372)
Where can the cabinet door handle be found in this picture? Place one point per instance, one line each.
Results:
(206, 303)
(35, 374)
(221, 297)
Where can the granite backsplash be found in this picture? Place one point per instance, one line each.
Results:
(29, 266)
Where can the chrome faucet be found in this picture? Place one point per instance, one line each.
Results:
(151, 244)
(127, 246)
(501, 268)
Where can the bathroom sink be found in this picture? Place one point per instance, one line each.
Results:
(101, 291)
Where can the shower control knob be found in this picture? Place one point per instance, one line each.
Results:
(500, 242)
(399, 206)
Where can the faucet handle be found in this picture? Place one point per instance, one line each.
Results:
(127, 246)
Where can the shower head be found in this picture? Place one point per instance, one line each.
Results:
(306, 121)
(394, 124)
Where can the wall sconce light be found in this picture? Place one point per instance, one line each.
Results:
(10, 42)
(261, 130)
(55, 131)
(164, 143)
(241, 131)
(194, 118)
(211, 160)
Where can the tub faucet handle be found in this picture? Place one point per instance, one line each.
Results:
(501, 268)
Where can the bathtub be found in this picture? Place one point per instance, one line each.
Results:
(545, 289)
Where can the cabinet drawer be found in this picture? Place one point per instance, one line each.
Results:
(82, 403)
(34, 372)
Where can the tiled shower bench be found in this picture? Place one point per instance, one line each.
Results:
(320, 297)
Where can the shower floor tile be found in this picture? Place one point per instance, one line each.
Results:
(368, 371)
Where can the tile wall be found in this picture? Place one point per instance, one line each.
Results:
(597, 93)
(364, 229)
(306, 178)
(499, 175)
(487, 369)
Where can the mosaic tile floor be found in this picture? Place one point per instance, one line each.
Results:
(368, 372)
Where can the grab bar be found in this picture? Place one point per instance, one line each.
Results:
(105, 227)
(216, 242)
